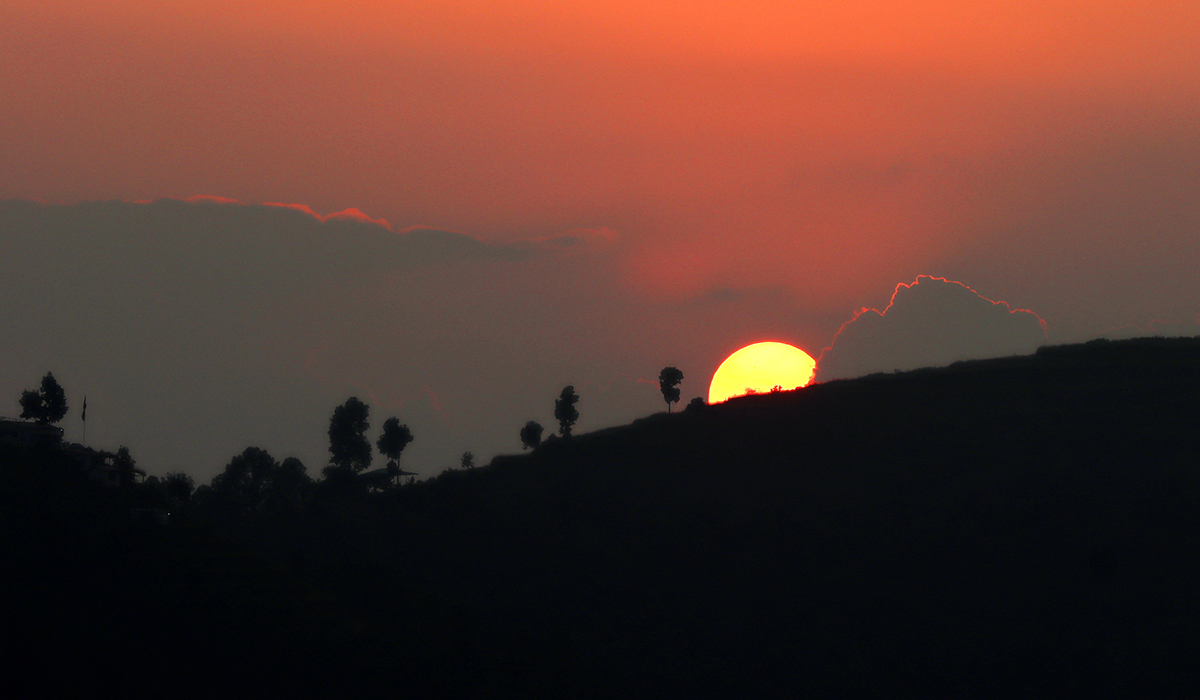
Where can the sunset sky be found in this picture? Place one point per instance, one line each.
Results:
(545, 193)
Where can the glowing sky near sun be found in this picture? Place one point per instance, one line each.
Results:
(760, 368)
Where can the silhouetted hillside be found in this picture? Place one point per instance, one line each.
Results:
(1018, 526)
(101, 594)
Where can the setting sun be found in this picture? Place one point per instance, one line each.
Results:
(760, 368)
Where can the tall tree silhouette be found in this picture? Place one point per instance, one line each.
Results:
(531, 435)
(46, 405)
(565, 411)
(348, 444)
(668, 382)
(392, 442)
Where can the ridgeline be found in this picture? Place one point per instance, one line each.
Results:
(1025, 525)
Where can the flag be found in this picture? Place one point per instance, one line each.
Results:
(84, 416)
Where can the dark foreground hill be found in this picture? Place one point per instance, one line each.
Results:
(1027, 524)
(1020, 526)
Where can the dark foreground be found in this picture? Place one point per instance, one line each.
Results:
(1024, 526)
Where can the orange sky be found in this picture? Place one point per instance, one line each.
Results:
(783, 141)
(802, 156)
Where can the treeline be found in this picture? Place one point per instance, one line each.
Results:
(256, 485)
(266, 567)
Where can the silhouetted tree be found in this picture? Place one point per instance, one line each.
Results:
(287, 486)
(467, 461)
(392, 442)
(31, 406)
(531, 435)
(179, 487)
(243, 485)
(668, 382)
(696, 404)
(253, 482)
(348, 444)
(125, 464)
(565, 412)
(46, 405)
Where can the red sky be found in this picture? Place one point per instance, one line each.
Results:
(806, 155)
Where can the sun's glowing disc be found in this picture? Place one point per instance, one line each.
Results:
(759, 368)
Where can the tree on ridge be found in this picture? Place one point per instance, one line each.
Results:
(668, 382)
(179, 487)
(348, 444)
(241, 488)
(565, 411)
(531, 435)
(392, 442)
(125, 465)
(46, 405)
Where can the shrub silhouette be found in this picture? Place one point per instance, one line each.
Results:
(531, 435)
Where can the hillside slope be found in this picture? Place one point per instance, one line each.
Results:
(1018, 524)
(1026, 526)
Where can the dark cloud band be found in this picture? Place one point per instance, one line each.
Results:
(933, 321)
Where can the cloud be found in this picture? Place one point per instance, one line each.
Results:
(350, 214)
(199, 328)
(933, 321)
(211, 199)
(194, 322)
(204, 258)
(578, 239)
(207, 234)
